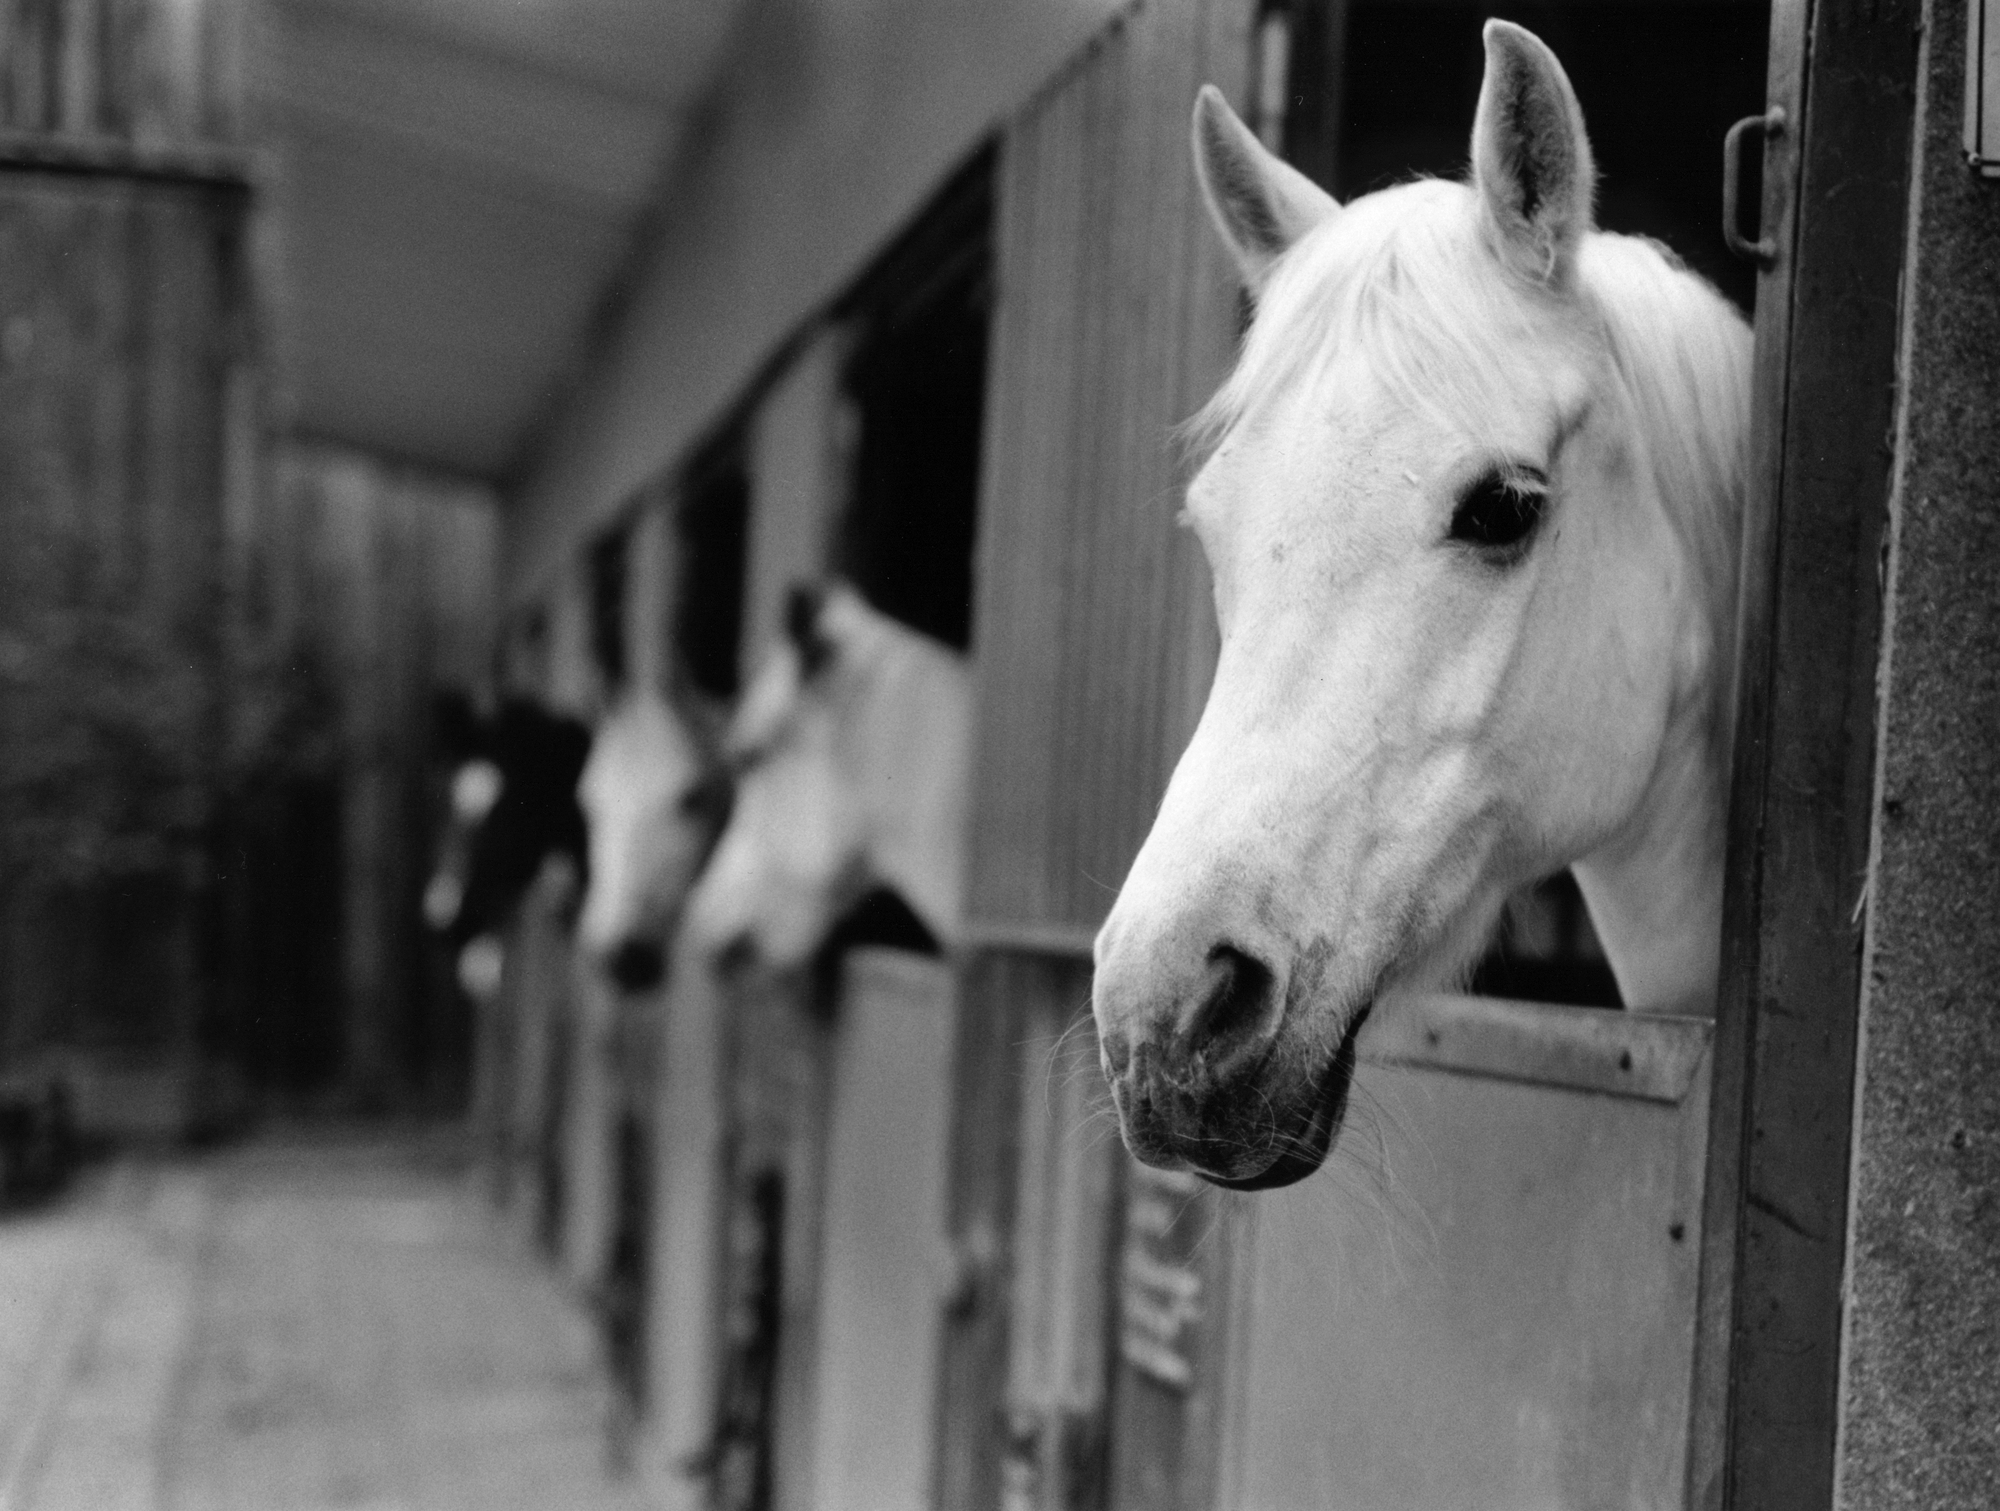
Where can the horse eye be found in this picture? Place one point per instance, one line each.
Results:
(1500, 511)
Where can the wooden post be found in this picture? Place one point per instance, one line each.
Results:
(1920, 1395)
(1775, 1235)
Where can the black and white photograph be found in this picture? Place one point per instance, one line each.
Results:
(999, 755)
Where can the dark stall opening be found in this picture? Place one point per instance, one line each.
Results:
(1660, 83)
(287, 862)
(711, 523)
(610, 575)
(917, 385)
(917, 381)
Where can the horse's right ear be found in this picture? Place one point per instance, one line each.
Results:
(1261, 204)
(1531, 162)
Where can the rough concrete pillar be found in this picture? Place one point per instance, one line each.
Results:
(1920, 1401)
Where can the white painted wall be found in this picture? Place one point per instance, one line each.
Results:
(838, 118)
(883, 1258)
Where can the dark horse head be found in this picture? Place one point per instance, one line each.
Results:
(513, 807)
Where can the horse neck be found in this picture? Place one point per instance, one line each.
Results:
(912, 752)
(1655, 889)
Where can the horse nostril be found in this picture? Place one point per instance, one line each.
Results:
(1115, 1049)
(637, 965)
(1234, 1009)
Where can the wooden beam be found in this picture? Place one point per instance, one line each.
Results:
(1768, 1349)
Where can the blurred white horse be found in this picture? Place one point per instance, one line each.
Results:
(1472, 513)
(850, 750)
(652, 803)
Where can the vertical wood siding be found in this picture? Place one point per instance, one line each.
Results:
(1067, 1203)
(373, 590)
(1114, 322)
(733, 1099)
(153, 71)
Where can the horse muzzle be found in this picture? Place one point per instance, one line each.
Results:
(1250, 1125)
(1210, 1056)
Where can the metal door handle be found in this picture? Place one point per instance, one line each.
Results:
(1763, 251)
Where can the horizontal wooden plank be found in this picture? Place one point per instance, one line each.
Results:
(1649, 1056)
(1066, 940)
(116, 157)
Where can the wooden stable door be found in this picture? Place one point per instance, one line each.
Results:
(881, 1260)
(1487, 1299)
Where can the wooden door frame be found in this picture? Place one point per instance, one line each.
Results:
(1837, 178)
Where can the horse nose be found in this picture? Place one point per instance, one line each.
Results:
(1233, 1010)
(1219, 1008)
(637, 965)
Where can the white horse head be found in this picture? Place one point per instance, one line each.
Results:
(850, 749)
(1471, 516)
(652, 804)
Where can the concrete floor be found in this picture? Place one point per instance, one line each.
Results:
(305, 1322)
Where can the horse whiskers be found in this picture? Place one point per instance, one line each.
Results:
(1078, 1041)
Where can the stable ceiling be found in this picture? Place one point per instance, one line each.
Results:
(459, 182)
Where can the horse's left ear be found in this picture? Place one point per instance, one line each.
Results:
(1531, 161)
(1261, 204)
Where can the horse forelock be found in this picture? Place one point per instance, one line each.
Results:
(1397, 278)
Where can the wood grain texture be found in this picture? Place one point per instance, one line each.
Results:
(1114, 321)
(365, 589)
(150, 71)
(1000, 1002)
(1775, 1237)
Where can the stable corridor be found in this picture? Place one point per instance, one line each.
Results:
(308, 1321)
